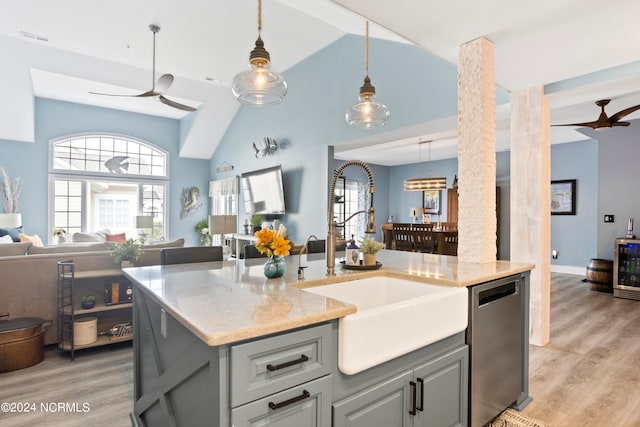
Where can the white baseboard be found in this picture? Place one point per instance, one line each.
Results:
(568, 269)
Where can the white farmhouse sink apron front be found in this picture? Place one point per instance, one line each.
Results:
(394, 317)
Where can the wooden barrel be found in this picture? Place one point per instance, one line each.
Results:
(600, 275)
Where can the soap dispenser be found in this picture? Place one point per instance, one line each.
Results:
(352, 253)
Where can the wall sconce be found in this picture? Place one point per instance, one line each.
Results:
(268, 147)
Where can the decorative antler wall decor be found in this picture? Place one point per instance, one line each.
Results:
(268, 147)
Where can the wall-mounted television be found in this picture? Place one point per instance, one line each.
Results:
(263, 191)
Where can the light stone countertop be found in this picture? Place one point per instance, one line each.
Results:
(228, 301)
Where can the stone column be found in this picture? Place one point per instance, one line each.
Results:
(476, 152)
(531, 200)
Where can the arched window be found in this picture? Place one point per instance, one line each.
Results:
(104, 182)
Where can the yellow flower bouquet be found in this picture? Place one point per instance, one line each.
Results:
(275, 245)
(272, 242)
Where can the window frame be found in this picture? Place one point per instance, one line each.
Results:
(88, 176)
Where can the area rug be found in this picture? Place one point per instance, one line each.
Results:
(513, 418)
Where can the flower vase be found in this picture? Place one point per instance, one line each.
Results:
(274, 267)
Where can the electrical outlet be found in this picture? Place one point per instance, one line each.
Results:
(554, 254)
(608, 218)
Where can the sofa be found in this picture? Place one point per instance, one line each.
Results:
(29, 275)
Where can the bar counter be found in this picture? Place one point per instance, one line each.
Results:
(229, 301)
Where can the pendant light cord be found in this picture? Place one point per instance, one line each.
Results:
(366, 49)
(259, 17)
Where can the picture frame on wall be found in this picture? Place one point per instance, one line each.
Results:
(431, 201)
(563, 197)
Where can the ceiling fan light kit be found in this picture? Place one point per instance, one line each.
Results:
(368, 113)
(603, 120)
(259, 85)
(158, 88)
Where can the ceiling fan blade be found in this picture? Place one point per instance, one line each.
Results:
(163, 83)
(621, 124)
(176, 104)
(620, 114)
(592, 125)
(123, 95)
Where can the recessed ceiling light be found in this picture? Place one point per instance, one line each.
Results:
(34, 36)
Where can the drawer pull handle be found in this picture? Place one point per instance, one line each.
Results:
(412, 411)
(303, 396)
(421, 407)
(302, 359)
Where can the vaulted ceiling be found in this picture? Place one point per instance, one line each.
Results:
(580, 50)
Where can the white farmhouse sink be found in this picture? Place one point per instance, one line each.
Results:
(394, 317)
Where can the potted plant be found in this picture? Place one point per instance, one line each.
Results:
(88, 301)
(126, 253)
(202, 228)
(256, 222)
(10, 192)
(369, 247)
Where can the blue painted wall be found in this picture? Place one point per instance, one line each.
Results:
(575, 236)
(311, 119)
(56, 118)
(618, 157)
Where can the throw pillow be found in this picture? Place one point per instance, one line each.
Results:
(34, 240)
(13, 232)
(6, 239)
(118, 238)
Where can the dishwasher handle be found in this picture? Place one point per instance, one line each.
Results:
(493, 294)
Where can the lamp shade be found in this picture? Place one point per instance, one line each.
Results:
(416, 212)
(422, 184)
(258, 85)
(223, 224)
(144, 221)
(10, 220)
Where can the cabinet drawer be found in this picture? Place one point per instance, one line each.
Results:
(263, 367)
(307, 405)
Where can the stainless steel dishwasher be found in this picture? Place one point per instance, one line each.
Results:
(496, 344)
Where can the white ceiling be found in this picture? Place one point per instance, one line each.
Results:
(106, 47)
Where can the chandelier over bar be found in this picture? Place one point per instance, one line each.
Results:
(259, 85)
(368, 113)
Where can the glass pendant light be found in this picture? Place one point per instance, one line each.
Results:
(368, 113)
(259, 85)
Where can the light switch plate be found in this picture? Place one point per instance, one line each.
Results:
(608, 218)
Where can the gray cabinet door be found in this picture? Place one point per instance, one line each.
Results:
(306, 405)
(384, 405)
(442, 388)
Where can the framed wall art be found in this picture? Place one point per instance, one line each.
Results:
(563, 197)
(431, 201)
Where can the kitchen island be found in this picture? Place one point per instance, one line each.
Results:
(218, 344)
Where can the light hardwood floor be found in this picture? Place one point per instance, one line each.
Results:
(589, 375)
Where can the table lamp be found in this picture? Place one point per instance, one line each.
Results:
(143, 222)
(223, 224)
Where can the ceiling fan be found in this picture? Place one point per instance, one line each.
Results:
(604, 121)
(157, 88)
